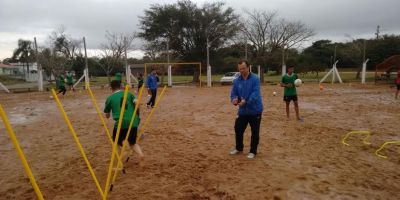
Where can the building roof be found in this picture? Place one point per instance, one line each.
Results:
(6, 66)
(389, 63)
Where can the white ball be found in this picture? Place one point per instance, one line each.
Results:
(274, 93)
(297, 82)
(50, 97)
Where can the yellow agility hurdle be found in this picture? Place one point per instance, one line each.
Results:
(20, 153)
(103, 122)
(68, 122)
(365, 140)
(128, 133)
(114, 150)
(383, 146)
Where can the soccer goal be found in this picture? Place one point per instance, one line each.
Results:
(176, 74)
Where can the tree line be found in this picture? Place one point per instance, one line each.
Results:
(183, 31)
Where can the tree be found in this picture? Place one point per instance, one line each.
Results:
(24, 53)
(256, 30)
(62, 53)
(186, 27)
(7, 61)
(269, 34)
(379, 49)
(65, 44)
(45, 60)
(154, 49)
(114, 50)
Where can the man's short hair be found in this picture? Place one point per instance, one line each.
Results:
(244, 61)
(115, 84)
(290, 66)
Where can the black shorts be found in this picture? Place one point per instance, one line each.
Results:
(122, 135)
(61, 88)
(70, 84)
(398, 86)
(290, 98)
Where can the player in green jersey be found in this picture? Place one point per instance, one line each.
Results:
(113, 105)
(290, 93)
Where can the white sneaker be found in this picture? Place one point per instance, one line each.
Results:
(251, 156)
(234, 152)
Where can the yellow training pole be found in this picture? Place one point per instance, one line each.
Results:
(149, 116)
(102, 121)
(71, 129)
(129, 132)
(114, 150)
(20, 153)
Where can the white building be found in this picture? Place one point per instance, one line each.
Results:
(9, 70)
(21, 71)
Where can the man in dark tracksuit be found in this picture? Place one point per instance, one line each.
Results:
(246, 94)
(151, 84)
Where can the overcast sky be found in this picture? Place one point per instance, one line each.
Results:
(331, 19)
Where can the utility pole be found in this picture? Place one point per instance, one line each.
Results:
(39, 68)
(364, 45)
(168, 49)
(169, 69)
(377, 32)
(334, 55)
(171, 23)
(86, 66)
(245, 48)
(208, 52)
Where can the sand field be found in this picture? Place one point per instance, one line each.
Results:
(188, 140)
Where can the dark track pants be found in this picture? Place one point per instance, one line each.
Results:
(152, 100)
(241, 125)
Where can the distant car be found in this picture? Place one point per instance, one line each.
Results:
(229, 77)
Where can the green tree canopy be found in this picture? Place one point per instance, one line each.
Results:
(186, 27)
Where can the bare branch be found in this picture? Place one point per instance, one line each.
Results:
(114, 49)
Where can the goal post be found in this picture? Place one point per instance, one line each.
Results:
(174, 71)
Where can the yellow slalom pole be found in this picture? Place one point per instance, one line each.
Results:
(365, 140)
(383, 146)
(127, 135)
(103, 121)
(20, 153)
(71, 129)
(149, 116)
(114, 150)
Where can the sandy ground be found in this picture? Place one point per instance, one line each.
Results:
(188, 141)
